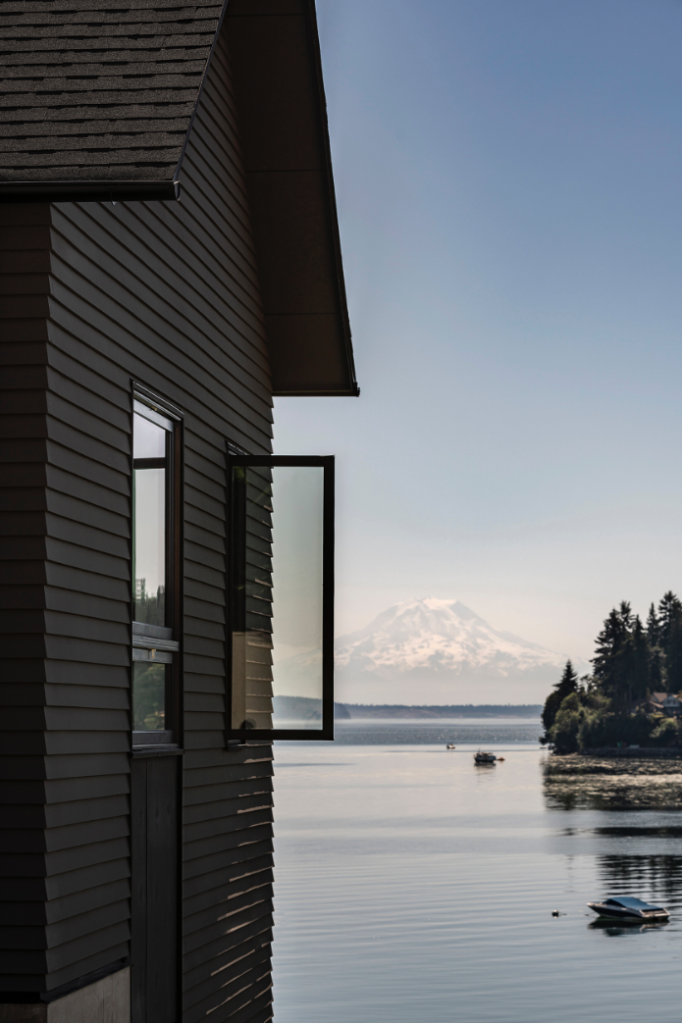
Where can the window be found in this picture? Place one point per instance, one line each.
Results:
(281, 597)
(155, 565)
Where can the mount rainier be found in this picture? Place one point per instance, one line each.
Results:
(433, 651)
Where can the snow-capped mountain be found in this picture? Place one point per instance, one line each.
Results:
(433, 651)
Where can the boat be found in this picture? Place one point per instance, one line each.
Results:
(630, 909)
(450, 746)
(484, 757)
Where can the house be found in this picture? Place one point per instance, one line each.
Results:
(170, 261)
(671, 705)
(659, 704)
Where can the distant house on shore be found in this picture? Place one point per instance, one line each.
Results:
(671, 705)
(660, 704)
(169, 261)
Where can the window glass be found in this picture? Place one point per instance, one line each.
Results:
(150, 545)
(153, 643)
(149, 440)
(297, 596)
(277, 599)
(149, 696)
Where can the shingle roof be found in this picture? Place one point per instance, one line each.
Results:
(100, 90)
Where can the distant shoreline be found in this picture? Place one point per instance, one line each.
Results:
(309, 708)
(433, 711)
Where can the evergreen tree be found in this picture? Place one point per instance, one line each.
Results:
(639, 668)
(654, 631)
(623, 659)
(626, 615)
(567, 684)
(613, 650)
(669, 606)
(674, 653)
(671, 642)
(630, 658)
(655, 682)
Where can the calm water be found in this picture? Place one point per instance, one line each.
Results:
(412, 886)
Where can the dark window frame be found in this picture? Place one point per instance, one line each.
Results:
(326, 731)
(165, 640)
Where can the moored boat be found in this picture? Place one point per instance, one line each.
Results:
(628, 908)
(484, 757)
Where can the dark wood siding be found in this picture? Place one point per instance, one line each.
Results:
(24, 282)
(166, 295)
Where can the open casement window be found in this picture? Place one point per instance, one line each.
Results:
(281, 598)
(155, 566)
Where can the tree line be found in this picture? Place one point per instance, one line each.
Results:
(632, 661)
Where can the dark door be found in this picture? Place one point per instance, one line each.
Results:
(154, 911)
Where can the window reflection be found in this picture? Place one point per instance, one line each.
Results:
(149, 696)
(277, 599)
(150, 545)
(149, 440)
(153, 642)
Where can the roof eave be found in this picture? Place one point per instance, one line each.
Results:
(280, 99)
(353, 391)
(88, 191)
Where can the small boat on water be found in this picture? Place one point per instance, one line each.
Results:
(484, 757)
(629, 909)
(450, 746)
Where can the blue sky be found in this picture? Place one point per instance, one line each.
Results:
(507, 177)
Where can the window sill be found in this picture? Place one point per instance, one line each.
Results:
(157, 750)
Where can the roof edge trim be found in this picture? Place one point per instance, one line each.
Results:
(88, 191)
(353, 389)
(351, 392)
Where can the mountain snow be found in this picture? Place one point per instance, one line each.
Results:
(434, 651)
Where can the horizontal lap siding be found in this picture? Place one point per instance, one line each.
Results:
(24, 287)
(227, 815)
(166, 295)
(87, 666)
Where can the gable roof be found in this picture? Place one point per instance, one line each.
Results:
(97, 96)
(97, 99)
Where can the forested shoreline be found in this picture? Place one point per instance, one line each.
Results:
(627, 701)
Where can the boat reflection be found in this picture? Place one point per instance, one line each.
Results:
(612, 930)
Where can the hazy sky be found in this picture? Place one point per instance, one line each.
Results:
(507, 178)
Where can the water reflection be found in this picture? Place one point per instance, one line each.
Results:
(580, 783)
(614, 930)
(656, 876)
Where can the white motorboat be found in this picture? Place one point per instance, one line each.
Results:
(484, 757)
(628, 908)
